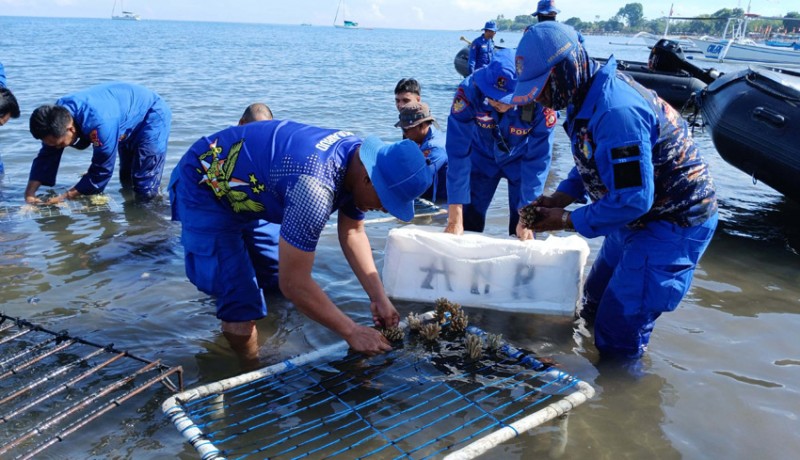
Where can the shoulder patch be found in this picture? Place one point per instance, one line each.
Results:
(550, 117)
(460, 102)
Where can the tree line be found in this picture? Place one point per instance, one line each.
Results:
(630, 20)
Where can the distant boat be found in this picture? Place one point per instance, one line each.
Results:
(736, 46)
(124, 15)
(346, 24)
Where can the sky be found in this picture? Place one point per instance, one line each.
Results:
(396, 14)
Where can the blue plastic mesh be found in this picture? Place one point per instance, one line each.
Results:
(418, 401)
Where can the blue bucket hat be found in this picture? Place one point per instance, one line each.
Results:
(546, 7)
(490, 25)
(542, 47)
(398, 172)
(498, 79)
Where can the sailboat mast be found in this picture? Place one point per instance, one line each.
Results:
(337, 12)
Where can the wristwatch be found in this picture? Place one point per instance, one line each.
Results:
(565, 220)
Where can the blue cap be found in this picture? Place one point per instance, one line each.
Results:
(398, 172)
(498, 79)
(540, 49)
(490, 25)
(546, 7)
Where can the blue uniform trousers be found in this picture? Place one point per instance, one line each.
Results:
(226, 256)
(484, 179)
(638, 275)
(141, 158)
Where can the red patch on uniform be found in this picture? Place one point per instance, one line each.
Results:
(426, 153)
(95, 140)
(550, 117)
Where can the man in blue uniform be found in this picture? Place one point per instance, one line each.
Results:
(257, 111)
(115, 119)
(652, 196)
(420, 126)
(9, 108)
(294, 175)
(406, 91)
(546, 10)
(481, 50)
(488, 139)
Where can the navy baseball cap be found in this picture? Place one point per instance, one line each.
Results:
(542, 47)
(490, 25)
(546, 7)
(498, 79)
(398, 172)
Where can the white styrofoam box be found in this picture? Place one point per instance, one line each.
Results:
(423, 263)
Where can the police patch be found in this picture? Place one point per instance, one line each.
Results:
(550, 117)
(460, 102)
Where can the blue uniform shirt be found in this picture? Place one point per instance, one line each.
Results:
(481, 51)
(477, 134)
(634, 159)
(279, 171)
(106, 116)
(433, 147)
(2, 85)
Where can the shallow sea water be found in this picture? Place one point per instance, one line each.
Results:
(721, 379)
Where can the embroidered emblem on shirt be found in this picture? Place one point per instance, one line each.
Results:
(550, 117)
(218, 175)
(460, 102)
(585, 143)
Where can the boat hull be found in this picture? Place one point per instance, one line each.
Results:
(676, 88)
(719, 50)
(753, 116)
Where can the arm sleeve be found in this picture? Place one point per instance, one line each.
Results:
(536, 163)
(473, 55)
(573, 186)
(624, 162)
(44, 168)
(308, 207)
(460, 128)
(104, 143)
(3, 83)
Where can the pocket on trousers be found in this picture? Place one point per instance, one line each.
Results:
(666, 282)
(201, 262)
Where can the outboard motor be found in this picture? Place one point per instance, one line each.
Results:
(667, 56)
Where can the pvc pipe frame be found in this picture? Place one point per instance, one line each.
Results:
(208, 451)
